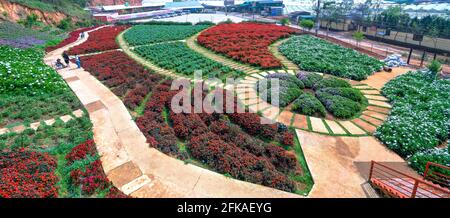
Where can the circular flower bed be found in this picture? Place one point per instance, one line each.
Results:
(312, 94)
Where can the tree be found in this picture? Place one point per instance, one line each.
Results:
(308, 24)
(358, 36)
(30, 21)
(433, 33)
(285, 21)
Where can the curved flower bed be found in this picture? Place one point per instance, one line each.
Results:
(419, 120)
(103, 39)
(245, 42)
(178, 57)
(147, 34)
(223, 145)
(317, 55)
(123, 75)
(73, 36)
(321, 94)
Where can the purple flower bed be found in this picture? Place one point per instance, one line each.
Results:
(24, 42)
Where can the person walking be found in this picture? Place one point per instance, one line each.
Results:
(82, 35)
(66, 58)
(78, 61)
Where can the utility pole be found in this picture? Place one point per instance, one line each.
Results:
(317, 16)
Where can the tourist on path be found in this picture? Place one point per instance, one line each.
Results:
(78, 61)
(66, 58)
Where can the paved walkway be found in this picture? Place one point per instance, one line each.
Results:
(131, 164)
(274, 49)
(364, 125)
(340, 165)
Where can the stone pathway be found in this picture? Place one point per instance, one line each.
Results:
(192, 43)
(20, 128)
(274, 49)
(366, 124)
(131, 164)
(378, 80)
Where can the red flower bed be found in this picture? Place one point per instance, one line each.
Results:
(92, 178)
(123, 75)
(100, 40)
(26, 174)
(81, 151)
(228, 158)
(73, 36)
(246, 42)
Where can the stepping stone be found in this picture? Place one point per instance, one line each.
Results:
(335, 127)
(248, 82)
(352, 128)
(372, 120)
(243, 85)
(271, 112)
(375, 114)
(35, 125)
(18, 129)
(78, 113)
(285, 118)
(257, 76)
(246, 90)
(135, 184)
(124, 174)
(263, 73)
(259, 107)
(290, 72)
(318, 125)
(251, 101)
(363, 87)
(300, 121)
(49, 122)
(282, 71)
(370, 92)
(378, 109)
(4, 131)
(94, 106)
(354, 83)
(376, 97)
(366, 126)
(65, 118)
(271, 72)
(380, 103)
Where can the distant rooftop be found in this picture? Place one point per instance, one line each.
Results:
(190, 4)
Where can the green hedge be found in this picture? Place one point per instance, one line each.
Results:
(309, 105)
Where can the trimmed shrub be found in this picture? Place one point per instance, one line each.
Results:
(309, 105)
(339, 106)
(309, 79)
(350, 93)
(331, 82)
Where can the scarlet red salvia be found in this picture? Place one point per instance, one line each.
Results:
(73, 36)
(27, 174)
(100, 40)
(246, 42)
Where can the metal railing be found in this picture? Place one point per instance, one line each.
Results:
(437, 173)
(399, 184)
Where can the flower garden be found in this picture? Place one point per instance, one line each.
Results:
(56, 157)
(148, 34)
(245, 42)
(418, 126)
(312, 94)
(305, 51)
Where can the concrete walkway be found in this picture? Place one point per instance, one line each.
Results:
(340, 165)
(131, 164)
